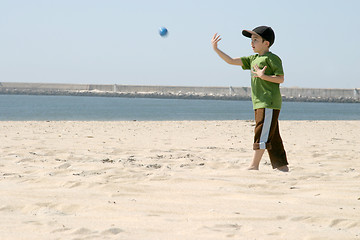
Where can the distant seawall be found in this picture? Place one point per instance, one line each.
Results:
(180, 92)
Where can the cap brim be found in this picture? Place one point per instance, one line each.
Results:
(248, 33)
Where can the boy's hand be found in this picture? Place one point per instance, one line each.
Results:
(260, 73)
(214, 41)
(233, 61)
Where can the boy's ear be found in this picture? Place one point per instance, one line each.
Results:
(267, 43)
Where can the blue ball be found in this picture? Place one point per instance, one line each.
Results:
(163, 31)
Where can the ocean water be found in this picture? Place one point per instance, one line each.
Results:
(53, 108)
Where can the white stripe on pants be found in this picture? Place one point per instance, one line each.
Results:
(266, 128)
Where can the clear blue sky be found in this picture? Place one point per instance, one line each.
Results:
(117, 41)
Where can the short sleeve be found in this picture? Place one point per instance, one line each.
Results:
(246, 63)
(275, 64)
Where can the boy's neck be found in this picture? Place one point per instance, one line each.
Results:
(263, 52)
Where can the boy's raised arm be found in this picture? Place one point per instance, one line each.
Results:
(233, 61)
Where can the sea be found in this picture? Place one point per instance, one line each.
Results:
(84, 108)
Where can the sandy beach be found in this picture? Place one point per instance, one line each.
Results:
(184, 180)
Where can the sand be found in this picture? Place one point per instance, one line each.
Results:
(176, 180)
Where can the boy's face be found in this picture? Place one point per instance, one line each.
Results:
(258, 44)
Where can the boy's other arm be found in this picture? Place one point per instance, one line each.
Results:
(260, 73)
(233, 61)
(274, 78)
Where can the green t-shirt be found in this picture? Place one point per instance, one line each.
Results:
(264, 94)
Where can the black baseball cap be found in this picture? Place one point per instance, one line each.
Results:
(263, 31)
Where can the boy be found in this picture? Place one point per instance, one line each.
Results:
(266, 76)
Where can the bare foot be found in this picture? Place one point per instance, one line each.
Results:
(283, 168)
(252, 168)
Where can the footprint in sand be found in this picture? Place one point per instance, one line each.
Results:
(83, 231)
(112, 231)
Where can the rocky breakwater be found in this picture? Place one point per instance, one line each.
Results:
(178, 92)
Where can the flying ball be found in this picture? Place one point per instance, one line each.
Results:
(163, 31)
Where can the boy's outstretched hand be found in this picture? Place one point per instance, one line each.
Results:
(233, 61)
(214, 41)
